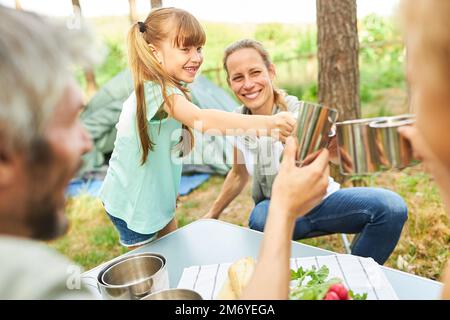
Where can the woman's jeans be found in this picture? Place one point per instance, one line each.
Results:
(376, 214)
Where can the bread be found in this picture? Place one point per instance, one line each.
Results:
(239, 274)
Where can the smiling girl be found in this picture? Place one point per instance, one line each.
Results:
(141, 186)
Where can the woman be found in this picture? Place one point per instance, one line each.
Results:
(376, 214)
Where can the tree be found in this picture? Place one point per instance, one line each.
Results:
(156, 3)
(18, 5)
(88, 73)
(133, 11)
(338, 46)
(76, 3)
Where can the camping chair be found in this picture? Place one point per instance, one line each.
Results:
(346, 243)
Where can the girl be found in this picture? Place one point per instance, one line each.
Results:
(141, 186)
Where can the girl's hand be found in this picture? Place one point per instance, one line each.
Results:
(297, 190)
(282, 125)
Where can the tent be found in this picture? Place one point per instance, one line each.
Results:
(211, 155)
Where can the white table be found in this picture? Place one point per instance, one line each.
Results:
(212, 241)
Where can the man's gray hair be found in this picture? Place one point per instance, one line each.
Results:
(37, 56)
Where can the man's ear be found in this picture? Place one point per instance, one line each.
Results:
(155, 52)
(7, 166)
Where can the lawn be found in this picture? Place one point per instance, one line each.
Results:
(423, 248)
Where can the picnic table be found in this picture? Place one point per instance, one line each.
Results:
(209, 241)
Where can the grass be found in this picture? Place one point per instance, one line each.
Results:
(92, 238)
(423, 248)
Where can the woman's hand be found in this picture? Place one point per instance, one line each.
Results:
(297, 190)
(282, 125)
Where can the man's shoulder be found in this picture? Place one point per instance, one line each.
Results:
(32, 270)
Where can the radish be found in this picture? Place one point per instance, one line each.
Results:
(340, 290)
(331, 295)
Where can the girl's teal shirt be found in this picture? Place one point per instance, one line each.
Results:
(144, 196)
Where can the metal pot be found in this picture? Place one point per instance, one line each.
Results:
(366, 146)
(355, 147)
(392, 150)
(174, 294)
(314, 124)
(133, 277)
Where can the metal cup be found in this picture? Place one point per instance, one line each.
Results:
(133, 277)
(174, 294)
(392, 150)
(355, 147)
(314, 124)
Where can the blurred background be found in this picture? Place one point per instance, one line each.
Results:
(288, 29)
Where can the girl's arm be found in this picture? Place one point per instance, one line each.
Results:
(216, 122)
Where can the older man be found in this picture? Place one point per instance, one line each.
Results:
(41, 143)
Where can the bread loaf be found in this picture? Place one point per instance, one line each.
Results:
(239, 274)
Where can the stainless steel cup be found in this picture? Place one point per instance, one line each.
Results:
(174, 294)
(133, 277)
(314, 124)
(355, 147)
(392, 150)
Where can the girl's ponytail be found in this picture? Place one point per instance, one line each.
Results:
(138, 54)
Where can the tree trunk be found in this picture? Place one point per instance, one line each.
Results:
(18, 5)
(337, 41)
(133, 12)
(156, 3)
(91, 85)
(338, 46)
(76, 3)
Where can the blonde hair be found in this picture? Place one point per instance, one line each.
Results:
(145, 66)
(427, 24)
(278, 94)
(36, 56)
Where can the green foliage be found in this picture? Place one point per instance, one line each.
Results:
(381, 56)
(116, 61)
(357, 296)
(307, 92)
(307, 41)
(272, 33)
(317, 285)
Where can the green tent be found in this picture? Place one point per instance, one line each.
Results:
(212, 154)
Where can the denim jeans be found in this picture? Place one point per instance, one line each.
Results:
(128, 237)
(376, 214)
